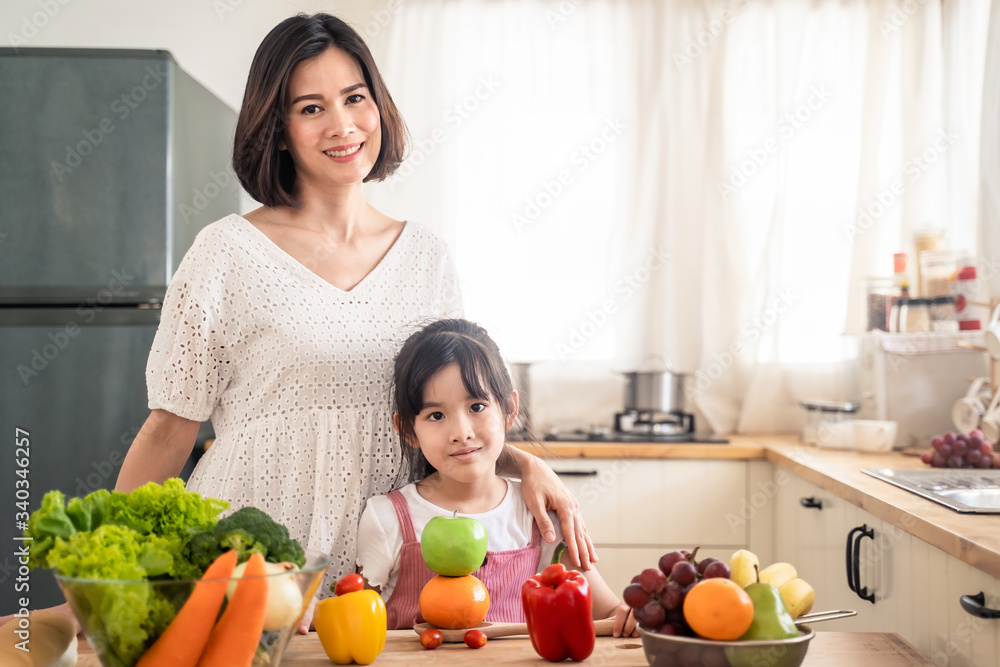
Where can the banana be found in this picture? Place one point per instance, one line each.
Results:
(798, 596)
(778, 574)
(743, 567)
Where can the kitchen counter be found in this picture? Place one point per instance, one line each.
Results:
(973, 539)
(827, 649)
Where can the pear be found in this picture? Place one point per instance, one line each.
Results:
(798, 596)
(778, 574)
(771, 619)
(743, 567)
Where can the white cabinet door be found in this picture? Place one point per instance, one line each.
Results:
(638, 509)
(656, 502)
(917, 587)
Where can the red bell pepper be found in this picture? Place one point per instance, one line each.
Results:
(559, 613)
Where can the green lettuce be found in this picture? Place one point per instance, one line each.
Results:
(132, 541)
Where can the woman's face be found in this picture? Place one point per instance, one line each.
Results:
(332, 128)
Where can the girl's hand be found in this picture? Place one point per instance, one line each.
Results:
(625, 625)
(306, 624)
(542, 491)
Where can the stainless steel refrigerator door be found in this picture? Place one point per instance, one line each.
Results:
(79, 391)
(84, 174)
(114, 159)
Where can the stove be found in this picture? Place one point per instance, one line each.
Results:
(636, 426)
(612, 436)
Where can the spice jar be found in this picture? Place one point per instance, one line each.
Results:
(943, 314)
(914, 316)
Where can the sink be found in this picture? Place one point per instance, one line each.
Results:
(978, 498)
(963, 490)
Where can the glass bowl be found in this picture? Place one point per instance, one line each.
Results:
(122, 619)
(675, 651)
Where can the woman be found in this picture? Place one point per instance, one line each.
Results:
(281, 325)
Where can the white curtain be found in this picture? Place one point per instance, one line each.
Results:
(989, 179)
(691, 185)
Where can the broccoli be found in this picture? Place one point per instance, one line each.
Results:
(246, 530)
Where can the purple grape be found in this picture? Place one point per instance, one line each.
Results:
(651, 614)
(973, 456)
(937, 442)
(949, 438)
(986, 448)
(667, 561)
(946, 450)
(959, 448)
(955, 461)
(652, 580)
(975, 442)
(684, 573)
(635, 579)
(672, 596)
(703, 565)
(927, 456)
(635, 597)
(940, 460)
(718, 569)
(671, 628)
(985, 462)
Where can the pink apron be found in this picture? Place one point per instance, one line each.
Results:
(503, 574)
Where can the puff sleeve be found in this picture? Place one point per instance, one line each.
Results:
(188, 366)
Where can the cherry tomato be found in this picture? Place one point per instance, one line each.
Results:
(349, 583)
(475, 639)
(431, 638)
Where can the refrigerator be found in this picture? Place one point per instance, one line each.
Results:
(112, 161)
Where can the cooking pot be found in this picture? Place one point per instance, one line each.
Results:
(654, 391)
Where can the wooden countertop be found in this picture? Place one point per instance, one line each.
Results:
(827, 649)
(972, 538)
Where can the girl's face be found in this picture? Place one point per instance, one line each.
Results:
(460, 435)
(332, 128)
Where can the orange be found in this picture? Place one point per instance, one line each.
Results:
(454, 602)
(718, 609)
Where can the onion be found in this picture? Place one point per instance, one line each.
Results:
(284, 599)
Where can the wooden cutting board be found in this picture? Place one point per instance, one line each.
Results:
(828, 649)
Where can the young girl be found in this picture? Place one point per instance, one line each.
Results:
(453, 404)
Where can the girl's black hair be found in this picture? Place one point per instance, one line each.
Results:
(426, 352)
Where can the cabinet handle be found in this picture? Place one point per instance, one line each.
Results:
(976, 605)
(576, 473)
(850, 570)
(811, 503)
(854, 562)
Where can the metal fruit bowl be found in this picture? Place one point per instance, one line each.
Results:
(675, 651)
(117, 616)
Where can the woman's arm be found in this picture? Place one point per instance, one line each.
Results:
(159, 450)
(606, 604)
(542, 490)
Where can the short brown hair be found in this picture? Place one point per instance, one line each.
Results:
(267, 173)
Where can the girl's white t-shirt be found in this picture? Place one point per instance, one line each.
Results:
(380, 538)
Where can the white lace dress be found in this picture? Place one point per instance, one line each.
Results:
(295, 374)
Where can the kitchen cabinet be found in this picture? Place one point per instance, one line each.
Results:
(916, 586)
(637, 510)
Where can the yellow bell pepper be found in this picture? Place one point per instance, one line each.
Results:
(351, 627)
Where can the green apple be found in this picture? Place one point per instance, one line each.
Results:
(453, 546)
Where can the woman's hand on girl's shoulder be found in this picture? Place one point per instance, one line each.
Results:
(542, 490)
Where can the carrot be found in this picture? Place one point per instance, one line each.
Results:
(235, 637)
(182, 642)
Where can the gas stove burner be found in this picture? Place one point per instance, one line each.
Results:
(654, 423)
